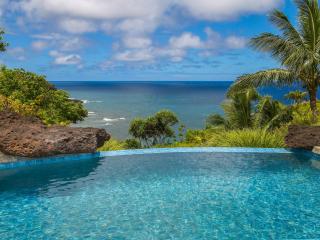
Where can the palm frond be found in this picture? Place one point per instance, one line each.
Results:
(271, 77)
(289, 31)
(309, 21)
(289, 54)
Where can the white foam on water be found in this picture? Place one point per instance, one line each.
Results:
(114, 119)
(89, 101)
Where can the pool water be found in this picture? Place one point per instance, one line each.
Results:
(164, 196)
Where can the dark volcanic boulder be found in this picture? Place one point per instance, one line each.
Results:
(29, 137)
(305, 137)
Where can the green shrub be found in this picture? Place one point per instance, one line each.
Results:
(31, 94)
(302, 114)
(154, 130)
(219, 137)
(132, 144)
(248, 138)
(215, 120)
(113, 145)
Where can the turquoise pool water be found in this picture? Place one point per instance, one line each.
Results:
(164, 196)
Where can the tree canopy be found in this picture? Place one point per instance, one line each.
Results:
(155, 129)
(31, 94)
(296, 48)
(3, 44)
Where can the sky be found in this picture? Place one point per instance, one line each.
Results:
(137, 40)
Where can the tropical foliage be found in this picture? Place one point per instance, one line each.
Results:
(220, 137)
(155, 129)
(297, 96)
(246, 109)
(3, 44)
(296, 48)
(31, 94)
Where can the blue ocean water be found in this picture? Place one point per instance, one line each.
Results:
(112, 105)
(164, 196)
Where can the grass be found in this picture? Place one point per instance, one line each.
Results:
(256, 138)
(218, 137)
(113, 145)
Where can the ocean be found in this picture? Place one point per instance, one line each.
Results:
(112, 105)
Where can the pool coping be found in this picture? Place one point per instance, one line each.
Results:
(22, 162)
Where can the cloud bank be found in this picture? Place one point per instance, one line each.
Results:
(132, 23)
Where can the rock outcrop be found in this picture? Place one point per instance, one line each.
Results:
(305, 137)
(29, 137)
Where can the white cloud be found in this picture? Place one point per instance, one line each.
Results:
(131, 9)
(178, 47)
(218, 10)
(95, 9)
(77, 16)
(62, 42)
(77, 26)
(235, 42)
(3, 4)
(17, 53)
(65, 59)
(137, 42)
(39, 45)
(186, 40)
(131, 23)
(140, 55)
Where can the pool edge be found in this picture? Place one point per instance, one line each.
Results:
(85, 156)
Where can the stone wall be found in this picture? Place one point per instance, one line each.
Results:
(305, 137)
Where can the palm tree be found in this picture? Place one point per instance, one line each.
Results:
(296, 96)
(271, 114)
(3, 45)
(296, 48)
(238, 111)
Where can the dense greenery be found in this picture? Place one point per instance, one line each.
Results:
(3, 44)
(297, 50)
(217, 137)
(297, 96)
(250, 120)
(247, 109)
(31, 94)
(155, 129)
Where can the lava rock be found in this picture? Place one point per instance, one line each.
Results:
(305, 137)
(29, 137)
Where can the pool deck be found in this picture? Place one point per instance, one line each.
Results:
(15, 162)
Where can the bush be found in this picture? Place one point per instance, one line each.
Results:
(113, 145)
(31, 94)
(302, 114)
(155, 129)
(215, 120)
(132, 144)
(248, 138)
(219, 137)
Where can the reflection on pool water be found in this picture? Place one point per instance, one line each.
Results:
(164, 196)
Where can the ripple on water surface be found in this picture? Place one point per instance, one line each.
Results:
(163, 196)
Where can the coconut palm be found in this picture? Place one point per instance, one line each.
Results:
(296, 48)
(238, 111)
(297, 97)
(271, 114)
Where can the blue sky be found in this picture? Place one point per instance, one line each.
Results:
(111, 40)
